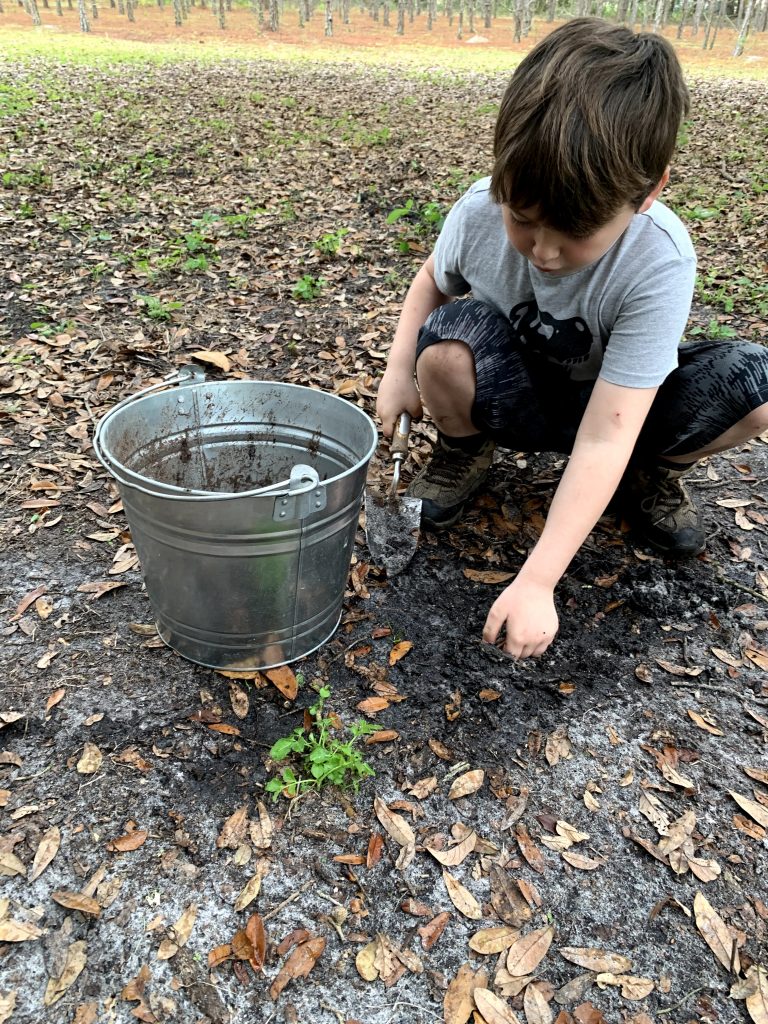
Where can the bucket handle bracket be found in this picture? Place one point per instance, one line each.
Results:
(305, 495)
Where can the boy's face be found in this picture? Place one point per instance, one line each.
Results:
(554, 253)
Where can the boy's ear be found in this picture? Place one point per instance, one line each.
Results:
(654, 194)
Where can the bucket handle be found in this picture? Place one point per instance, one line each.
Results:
(186, 375)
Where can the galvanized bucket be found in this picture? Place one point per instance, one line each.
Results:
(243, 501)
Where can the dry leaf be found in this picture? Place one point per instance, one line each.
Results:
(129, 842)
(432, 930)
(679, 670)
(529, 850)
(716, 934)
(528, 952)
(238, 698)
(455, 855)
(631, 988)
(757, 1002)
(558, 746)
(234, 830)
(487, 575)
(365, 961)
(373, 705)
(459, 1000)
(678, 833)
(77, 901)
(298, 965)
(506, 900)
(214, 358)
(285, 681)
(18, 931)
(73, 965)
(55, 698)
(399, 651)
(90, 760)
(424, 787)
(753, 809)
(219, 954)
(672, 775)
(10, 865)
(179, 934)
(394, 824)
(261, 831)
(493, 1009)
(467, 783)
(462, 898)
(252, 888)
(758, 774)
(7, 1005)
(535, 1005)
(493, 940)
(580, 861)
(705, 723)
(598, 960)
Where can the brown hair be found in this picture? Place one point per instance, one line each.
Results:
(587, 124)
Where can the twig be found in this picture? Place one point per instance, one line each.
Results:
(685, 999)
(717, 689)
(412, 1006)
(339, 1016)
(294, 896)
(740, 586)
(734, 954)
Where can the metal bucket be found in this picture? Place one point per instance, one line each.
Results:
(243, 501)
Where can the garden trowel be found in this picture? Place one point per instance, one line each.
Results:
(391, 521)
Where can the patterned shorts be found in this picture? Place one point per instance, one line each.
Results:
(525, 404)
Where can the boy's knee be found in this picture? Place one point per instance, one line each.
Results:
(756, 422)
(446, 361)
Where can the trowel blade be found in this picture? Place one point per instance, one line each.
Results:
(392, 530)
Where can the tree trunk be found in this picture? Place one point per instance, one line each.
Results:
(517, 15)
(386, 12)
(739, 48)
(658, 17)
(177, 18)
(621, 12)
(345, 12)
(274, 16)
(94, 10)
(551, 11)
(400, 30)
(719, 21)
(120, 7)
(697, 13)
(33, 12)
(487, 22)
(329, 17)
(527, 16)
(471, 13)
(84, 26)
(128, 10)
(59, 9)
(683, 16)
(449, 11)
(460, 30)
(411, 11)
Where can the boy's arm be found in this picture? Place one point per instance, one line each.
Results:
(604, 443)
(397, 390)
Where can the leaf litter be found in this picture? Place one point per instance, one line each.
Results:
(519, 867)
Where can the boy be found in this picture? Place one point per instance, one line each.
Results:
(581, 284)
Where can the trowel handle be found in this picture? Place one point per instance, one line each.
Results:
(399, 447)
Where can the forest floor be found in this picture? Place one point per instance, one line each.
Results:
(608, 860)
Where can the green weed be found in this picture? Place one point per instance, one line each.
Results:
(322, 756)
(308, 287)
(156, 309)
(714, 331)
(329, 244)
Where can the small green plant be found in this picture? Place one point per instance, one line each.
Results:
(714, 331)
(329, 244)
(157, 309)
(323, 757)
(308, 287)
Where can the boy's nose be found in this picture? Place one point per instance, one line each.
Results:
(545, 248)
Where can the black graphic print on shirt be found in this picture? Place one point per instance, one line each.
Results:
(567, 342)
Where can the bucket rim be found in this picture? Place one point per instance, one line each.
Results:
(193, 378)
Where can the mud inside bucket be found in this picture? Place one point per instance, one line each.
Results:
(243, 501)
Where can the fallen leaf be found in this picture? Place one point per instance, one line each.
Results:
(55, 698)
(493, 1009)
(753, 809)
(18, 931)
(580, 861)
(466, 784)
(129, 842)
(758, 774)
(298, 965)
(99, 589)
(462, 898)
(365, 961)
(77, 901)
(11, 865)
(234, 830)
(558, 746)
(90, 760)
(678, 833)
(535, 1005)
(716, 934)
(757, 1002)
(285, 680)
(705, 723)
(672, 775)
(528, 951)
(217, 359)
(399, 651)
(424, 787)
(726, 657)
(598, 960)
(179, 934)
(219, 955)
(679, 670)
(460, 996)
(506, 900)
(383, 736)
(493, 940)
(455, 855)
(432, 930)
(73, 965)
(440, 750)
(394, 824)
(631, 988)
(238, 698)
(373, 705)
(261, 831)
(529, 850)
(487, 575)
(7, 1005)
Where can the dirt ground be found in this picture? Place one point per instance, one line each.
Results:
(129, 762)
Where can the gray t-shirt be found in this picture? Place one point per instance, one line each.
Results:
(620, 318)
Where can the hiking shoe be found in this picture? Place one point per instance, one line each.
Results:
(658, 506)
(449, 480)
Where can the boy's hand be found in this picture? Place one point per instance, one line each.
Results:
(527, 611)
(397, 394)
